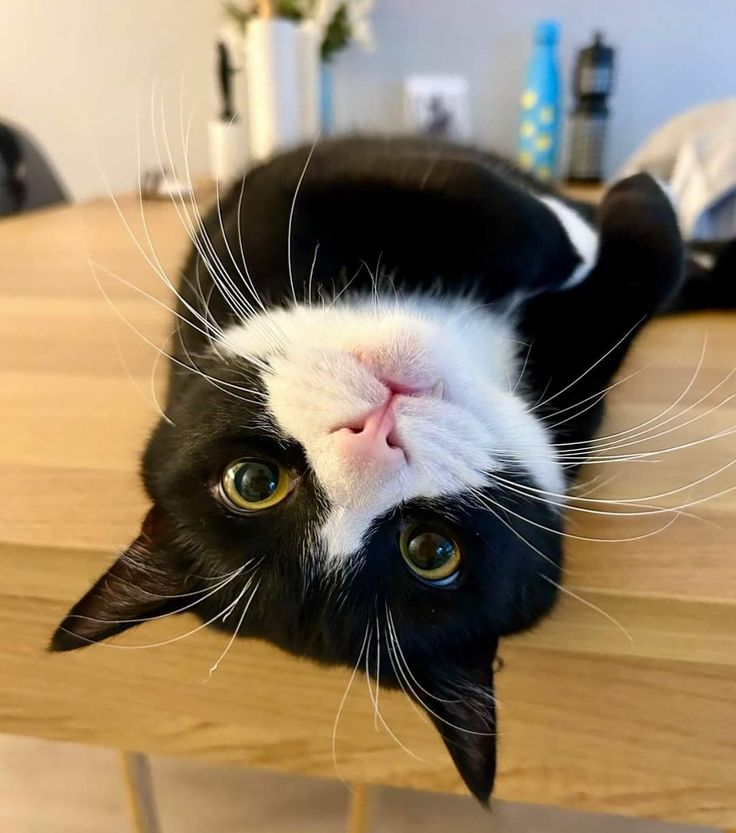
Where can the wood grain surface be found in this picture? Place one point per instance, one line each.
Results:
(624, 701)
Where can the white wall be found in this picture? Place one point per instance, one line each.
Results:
(672, 54)
(75, 72)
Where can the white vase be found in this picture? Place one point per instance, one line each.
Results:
(309, 72)
(228, 150)
(282, 77)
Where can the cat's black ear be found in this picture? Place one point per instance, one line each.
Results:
(142, 583)
(462, 708)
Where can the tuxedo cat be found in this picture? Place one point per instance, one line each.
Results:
(385, 350)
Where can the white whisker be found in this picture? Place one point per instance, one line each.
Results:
(163, 642)
(397, 644)
(418, 698)
(113, 306)
(291, 215)
(377, 716)
(155, 403)
(591, 367)
(235, 633)
(589, 604)
(340, 708)
(311, 274)
(203, 594)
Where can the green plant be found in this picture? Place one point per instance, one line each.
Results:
(346, 20)
(238, 15)
(337, 35)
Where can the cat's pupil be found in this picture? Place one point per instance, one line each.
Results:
(256, 481)
(430, 550)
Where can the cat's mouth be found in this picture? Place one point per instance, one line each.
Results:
(435, 390)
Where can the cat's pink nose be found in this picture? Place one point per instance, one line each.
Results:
(372, 439)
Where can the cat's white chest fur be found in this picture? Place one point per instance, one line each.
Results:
(396, 399)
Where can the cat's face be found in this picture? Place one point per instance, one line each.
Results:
(382, 400)
(369, 483)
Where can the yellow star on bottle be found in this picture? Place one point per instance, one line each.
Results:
(528, 129)
(529, 100)
(543, 142)
(544, 172)
(525, 160)
(546, 114)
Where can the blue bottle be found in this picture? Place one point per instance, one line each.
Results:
(540, 105)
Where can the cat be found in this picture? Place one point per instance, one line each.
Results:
(387, 352)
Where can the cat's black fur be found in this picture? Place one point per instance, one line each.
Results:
(436, 218)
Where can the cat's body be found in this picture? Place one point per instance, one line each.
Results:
(391, 340)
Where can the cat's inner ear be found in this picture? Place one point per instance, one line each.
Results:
(144, 582)
(464, 712)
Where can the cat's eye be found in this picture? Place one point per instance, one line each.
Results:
(250, 485)
(430, 553)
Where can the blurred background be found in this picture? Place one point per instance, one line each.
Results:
(76, 73)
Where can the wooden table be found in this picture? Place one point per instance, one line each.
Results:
(591, 718)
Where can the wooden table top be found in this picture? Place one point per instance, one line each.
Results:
(642, 722)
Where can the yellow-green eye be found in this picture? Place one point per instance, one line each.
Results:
(250, 485)
(431, 553)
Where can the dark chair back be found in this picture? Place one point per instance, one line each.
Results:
(27, 179)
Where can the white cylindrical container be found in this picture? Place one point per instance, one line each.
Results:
(228, 150)
(274, 89)
(309, 79)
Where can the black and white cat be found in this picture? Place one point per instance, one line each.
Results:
(382, 346)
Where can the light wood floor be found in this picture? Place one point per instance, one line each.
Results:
(48, 787)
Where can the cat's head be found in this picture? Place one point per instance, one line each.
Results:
(345, 457)
(335, 479)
